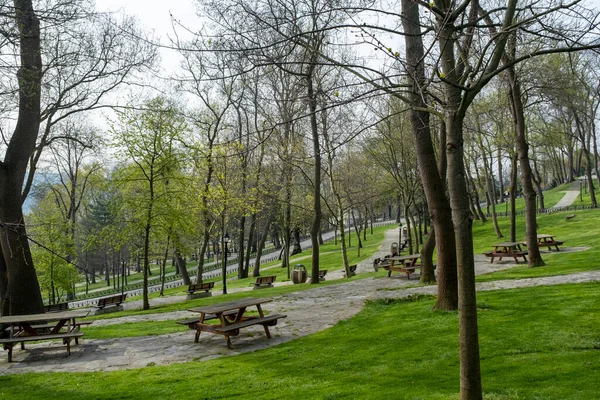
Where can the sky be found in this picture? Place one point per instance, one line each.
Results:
(154, 14)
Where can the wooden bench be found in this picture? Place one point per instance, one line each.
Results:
(66, 337)
(191, 323)
(203, 288)
(352, 270)
(109, 301)
(516, 255)
(264, 281)
(200, 287)
(56, 307)
(234, 329)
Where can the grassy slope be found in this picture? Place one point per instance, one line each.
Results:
(536, 343)
(579, 232)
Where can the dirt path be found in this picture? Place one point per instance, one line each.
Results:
(308, 312)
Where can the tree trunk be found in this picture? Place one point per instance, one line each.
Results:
(317, 213)
(242, 272)
(20, 291)
(455, 108)
(427, 271)
(297, 249)
(357, 231)
(535, 258)
(163, 266)
(537, 179)
(489, 183)
(431, 177)
(342, 238)
(182, 266)
(261, 245)
(251, 243)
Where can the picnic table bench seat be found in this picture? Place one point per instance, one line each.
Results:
(8, 343)
(234, 329)
(500, 254)
(50, 326)
(264, 281)
(550, 243)
(407, 269)
(269, 320)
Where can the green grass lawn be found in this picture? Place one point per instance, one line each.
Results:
(579, 233)
(536, 343)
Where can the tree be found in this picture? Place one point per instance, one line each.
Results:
(150, 138)
(53, 245)
(19, 287)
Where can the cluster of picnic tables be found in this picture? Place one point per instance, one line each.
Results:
(515, 250)
(60, 323)
(226, 319)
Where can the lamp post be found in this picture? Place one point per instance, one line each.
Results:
(226, 241)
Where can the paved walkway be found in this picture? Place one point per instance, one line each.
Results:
(308, 312)
(570, 196)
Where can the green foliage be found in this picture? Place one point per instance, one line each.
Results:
(53, 244)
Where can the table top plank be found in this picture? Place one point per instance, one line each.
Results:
(544, 236)
(406, 257)
(507, 244)
(54, 316)
(230, 305)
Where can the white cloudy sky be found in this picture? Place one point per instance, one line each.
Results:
(154, 14)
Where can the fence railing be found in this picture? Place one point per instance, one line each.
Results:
(545, 210)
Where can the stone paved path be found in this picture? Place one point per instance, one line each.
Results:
(308, 312)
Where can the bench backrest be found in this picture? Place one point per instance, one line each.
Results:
(116, 299)
(266, 279)
(201, 286)
(56, 307)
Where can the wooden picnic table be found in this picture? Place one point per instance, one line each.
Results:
(508, 249)
(545, 240)
(232, 317)
(406, 264)
(33, 327)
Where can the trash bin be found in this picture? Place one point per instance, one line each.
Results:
(299, 274)
(394, 249)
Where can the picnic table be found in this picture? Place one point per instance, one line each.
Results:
(232, 317)
(545, 240)
(407, 264)
(33, 327)
(507, 249)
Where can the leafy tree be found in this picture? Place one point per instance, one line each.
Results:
(149, 138)
(53, 244)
